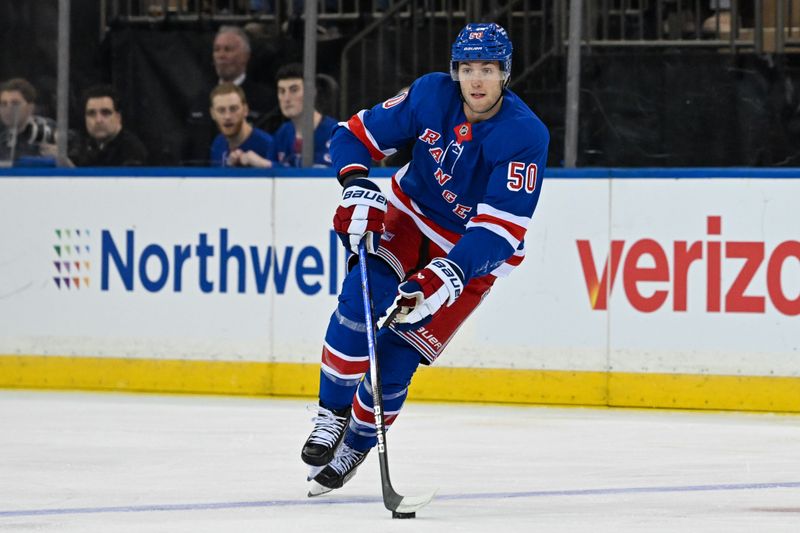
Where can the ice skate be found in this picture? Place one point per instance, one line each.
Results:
(329, 426)
(339, 471)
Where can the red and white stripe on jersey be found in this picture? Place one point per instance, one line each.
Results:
(364, 415)
(446, 239)
(510, 264)
(346, 367)
(418, 342)
(494, 220)
(352, 167)
(443, 238)
(359, 129)
(510, 227)
(392, 260)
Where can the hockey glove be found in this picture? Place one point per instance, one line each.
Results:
(361, 212)
(424, 293)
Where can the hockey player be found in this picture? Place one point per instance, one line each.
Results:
(454, 222)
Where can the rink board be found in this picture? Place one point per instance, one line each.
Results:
(224, 284)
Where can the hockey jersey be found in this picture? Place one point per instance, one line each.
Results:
(471, 188)
(288, 151)
(258, 141)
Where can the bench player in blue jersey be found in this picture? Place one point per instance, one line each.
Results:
(454, 222)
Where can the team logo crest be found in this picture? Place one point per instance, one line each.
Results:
(463, 132)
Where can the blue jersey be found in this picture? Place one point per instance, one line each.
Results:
(259, 141)
(289, 151)
(471, 188)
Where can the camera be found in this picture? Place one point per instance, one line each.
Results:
(41, 132)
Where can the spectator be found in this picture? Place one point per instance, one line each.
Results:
(22, 133)
(231, 55)
(289, 137)
(239, 144)
(106, 143)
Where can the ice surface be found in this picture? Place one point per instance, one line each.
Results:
(86, 462)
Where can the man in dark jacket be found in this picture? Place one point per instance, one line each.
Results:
(107, 143)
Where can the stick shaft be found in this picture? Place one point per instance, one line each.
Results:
(390, 498)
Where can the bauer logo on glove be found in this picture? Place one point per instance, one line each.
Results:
(360, 213)
(352, 196)
(423, 294)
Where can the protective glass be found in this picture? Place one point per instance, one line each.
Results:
(487, 72)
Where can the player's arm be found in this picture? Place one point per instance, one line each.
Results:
(369, 135)
(373, 134)
(493, 235)
(501, 219)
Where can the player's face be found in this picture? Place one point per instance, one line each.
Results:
(230, 56)
(229, 113)
(290, 97)
(102, 120)
(482, 85)
(12, 102)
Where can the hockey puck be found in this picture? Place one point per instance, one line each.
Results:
(395, 514)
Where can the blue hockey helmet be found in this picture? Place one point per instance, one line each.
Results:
(482, 41)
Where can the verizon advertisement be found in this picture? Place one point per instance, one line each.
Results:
(708, 276)
(697, 276)
(624, 275)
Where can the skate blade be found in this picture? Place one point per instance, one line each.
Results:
(313, 471)
(317, 490)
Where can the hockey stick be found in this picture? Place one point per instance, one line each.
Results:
(401, 506)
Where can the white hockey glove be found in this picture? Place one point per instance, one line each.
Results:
(361, 212)
(423, 294)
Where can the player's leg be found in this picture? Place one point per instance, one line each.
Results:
(345, 359)
(398, 362)
(399, 355)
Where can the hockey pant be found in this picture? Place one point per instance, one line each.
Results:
(345, 356)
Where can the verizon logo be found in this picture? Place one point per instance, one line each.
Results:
(743, 257)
